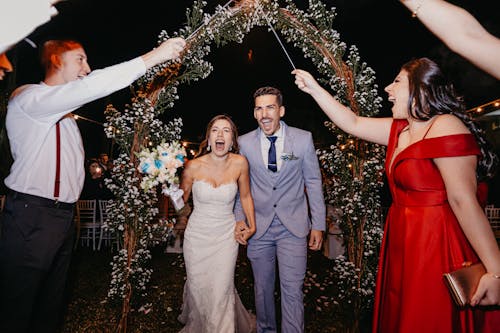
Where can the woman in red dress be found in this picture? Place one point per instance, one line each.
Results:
(436, 157)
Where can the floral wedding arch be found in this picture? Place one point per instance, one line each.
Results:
(353, 167)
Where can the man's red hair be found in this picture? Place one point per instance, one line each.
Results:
(53, 49)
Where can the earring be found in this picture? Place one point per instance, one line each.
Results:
(231, 148)
(208, 147)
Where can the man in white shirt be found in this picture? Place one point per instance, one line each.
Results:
(47, 177)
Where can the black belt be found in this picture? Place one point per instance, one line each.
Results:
(41, 201)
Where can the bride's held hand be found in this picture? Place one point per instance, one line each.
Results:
(242, 232)
(185, 211)
(248, 232)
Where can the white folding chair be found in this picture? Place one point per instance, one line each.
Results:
(109, 237)
(89, 225)
(493, 215)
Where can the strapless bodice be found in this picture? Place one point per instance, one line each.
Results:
(217, 202)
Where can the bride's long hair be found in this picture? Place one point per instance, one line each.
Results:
(235, 148)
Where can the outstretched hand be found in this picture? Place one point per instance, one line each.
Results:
(172, 48)
(53, 2)
(168, 50)
(305, 81)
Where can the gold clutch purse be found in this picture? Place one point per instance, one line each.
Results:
(463, 282)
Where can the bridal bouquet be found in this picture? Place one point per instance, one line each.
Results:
(159, 166)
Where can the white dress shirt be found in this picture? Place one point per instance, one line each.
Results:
(265, 144)
(32, 113)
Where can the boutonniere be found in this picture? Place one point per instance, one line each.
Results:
(288, 157)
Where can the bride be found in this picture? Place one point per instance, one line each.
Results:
(211, 302)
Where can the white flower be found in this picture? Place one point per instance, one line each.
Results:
(160, 165)
(288, 156)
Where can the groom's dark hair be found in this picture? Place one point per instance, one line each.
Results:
(269, 91)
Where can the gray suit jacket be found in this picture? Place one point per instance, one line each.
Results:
(284, 193)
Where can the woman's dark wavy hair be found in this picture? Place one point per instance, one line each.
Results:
(431, 94)
(203, 145)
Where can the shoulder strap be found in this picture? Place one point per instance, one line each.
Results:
(429, 128)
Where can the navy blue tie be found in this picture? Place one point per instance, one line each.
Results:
(271, 159)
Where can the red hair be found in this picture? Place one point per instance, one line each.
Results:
(53, 49)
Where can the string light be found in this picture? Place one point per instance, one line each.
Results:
(117, 131)
(485, 108)
(78, 117)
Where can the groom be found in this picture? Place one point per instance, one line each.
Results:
(284, 170)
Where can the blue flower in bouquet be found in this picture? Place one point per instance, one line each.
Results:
(160, 164)
(172, 155)
(180, 157)
(147, 163)
(144, 167)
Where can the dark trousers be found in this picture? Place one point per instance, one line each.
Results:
(36, 241)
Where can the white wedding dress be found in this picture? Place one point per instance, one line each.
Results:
(211, 303)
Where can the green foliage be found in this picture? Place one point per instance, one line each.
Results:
(354, 167)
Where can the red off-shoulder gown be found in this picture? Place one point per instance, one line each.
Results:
(422, 240)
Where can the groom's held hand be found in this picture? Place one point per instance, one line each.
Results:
(240, 230)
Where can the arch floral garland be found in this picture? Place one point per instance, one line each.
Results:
(354, 166)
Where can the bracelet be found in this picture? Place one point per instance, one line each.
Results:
(415, 11)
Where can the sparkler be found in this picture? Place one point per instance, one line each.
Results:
(277, 37)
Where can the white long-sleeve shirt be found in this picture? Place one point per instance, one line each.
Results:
(32, 113)
(279, 144)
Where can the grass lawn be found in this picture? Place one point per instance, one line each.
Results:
(88, 309)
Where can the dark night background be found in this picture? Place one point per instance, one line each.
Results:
(384, 32)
